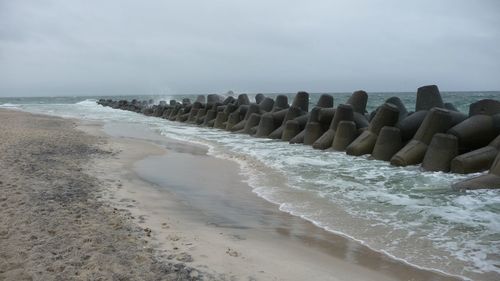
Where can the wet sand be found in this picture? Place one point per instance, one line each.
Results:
(215, 217)
(80, 201)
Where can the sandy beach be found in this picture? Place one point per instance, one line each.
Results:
(53, 225)
(83, 201)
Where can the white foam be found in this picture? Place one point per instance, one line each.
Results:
(88, 102)
(9, 105)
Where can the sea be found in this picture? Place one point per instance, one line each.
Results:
(406, 213)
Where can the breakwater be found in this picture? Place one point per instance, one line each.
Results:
(435, 135)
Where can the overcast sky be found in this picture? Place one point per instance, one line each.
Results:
(198, 46)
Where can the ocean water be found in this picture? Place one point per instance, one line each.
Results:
(404, 212)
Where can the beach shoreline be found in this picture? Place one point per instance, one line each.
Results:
(262, 244)
(232, 239)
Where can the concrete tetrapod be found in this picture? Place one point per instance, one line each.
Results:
(403, 112)
(168, 110)
(210, 116)
(266, 126)
(179, 112)
(343, 112)
(299, 137)
(300, 122)
(235, 117)
(325, 115)
(200, 117)
(428, 97)
(175, 111)
(186, 101)
(301, 100)
(229, 100)
(477, 160)
(387, 115)
(242, 99)
(361, 120)
(166, 113)
(409, 125)
(241, 114)
(192, 115)
(442, 149)
(259, 98)
(481, 127)
(485, 106)
(358, 101)
(251, 124)
(221, 119)
(346, 133)
(477, 131)
(189, 112)
(200, 99)
(266, 105)
(490, 180)
(324, 118)
(210, 112)
(279, 110)
(280, 103)
(325, 101)
(225, 108)
(183, 114)
(437, 121)
(156, 111)
(194, 112)
(292, 128)
(214, 99)
(160, 112)
(388, 143)
(313, 128)
(275, 129)
(183, 108)
(299, 108)
(292, 113)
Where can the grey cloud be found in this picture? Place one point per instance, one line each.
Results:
(160, 47)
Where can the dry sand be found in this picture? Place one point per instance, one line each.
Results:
(52, 224)
(81, 204)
